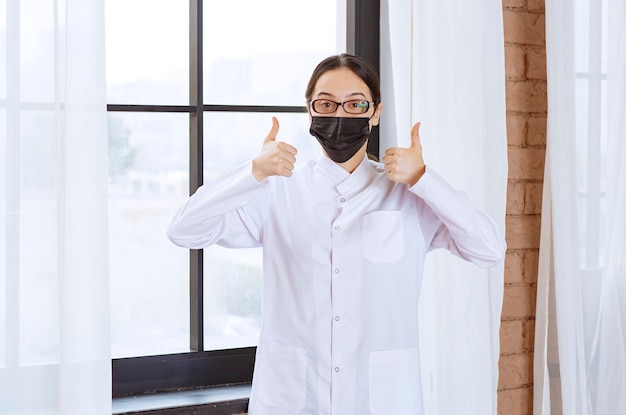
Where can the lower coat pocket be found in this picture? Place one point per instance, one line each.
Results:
(394, 382)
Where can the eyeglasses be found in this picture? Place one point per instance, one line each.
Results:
(354, 106)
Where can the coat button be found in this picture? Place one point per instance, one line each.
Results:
(336, 318)
(336, 270)
(336, 369)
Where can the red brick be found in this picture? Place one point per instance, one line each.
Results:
(522, 232)
(515, 4)
(536, 5)
(519, 302)
(528, 333)
(518, 401)
(515, 129)
(531, 266)
(512, 337)
(527, 106)
(515, 194)
(516, 370)
(526, 96)
(514, 62)
(532, 198)
(524, 28)
(526, 163)
(536, 63)
(536, 131)
(514, 267)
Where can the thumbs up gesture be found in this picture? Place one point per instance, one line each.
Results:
(276, 158)
(406, 165)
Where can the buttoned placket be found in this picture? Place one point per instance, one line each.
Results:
(337, 263)
(344, 256)
(341, 265)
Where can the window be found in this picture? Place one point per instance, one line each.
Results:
(192, 87)
(591, 134)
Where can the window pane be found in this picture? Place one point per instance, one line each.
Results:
(33, 263)
(263, 52)
(232, 277)
(232, 297)
(147, 45)
(232, 138)
(148, 180)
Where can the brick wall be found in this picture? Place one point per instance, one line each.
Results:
(526, 101)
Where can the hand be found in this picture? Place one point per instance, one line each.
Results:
(406, 165)
(276, 158)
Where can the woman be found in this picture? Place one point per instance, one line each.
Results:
(344, 240)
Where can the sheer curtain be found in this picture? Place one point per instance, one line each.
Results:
(442, 63)
(580, 342)
(54, 303)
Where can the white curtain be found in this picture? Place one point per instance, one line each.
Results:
(580, 342)
(54, 302)
(442, 63)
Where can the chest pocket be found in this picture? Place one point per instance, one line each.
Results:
(383, 236)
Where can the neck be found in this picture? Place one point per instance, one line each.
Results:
(354, 161)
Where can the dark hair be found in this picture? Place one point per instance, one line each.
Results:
(359, 66)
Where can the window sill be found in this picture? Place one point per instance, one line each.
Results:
(227, 400)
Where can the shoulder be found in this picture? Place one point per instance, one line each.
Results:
(378, 173)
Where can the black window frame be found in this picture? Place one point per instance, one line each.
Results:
(199, 368)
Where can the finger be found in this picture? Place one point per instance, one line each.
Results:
(286, 169)
(390, 151)
(271, 136)
(287, 156)
(415, 135)
(288, 148)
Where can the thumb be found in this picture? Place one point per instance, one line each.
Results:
(415, 135)
(271, 136)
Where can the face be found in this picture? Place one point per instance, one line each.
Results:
(342, 85)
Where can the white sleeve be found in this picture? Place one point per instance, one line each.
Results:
(227, 211)
(465, 231)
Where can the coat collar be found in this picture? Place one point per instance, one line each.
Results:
(347, 184)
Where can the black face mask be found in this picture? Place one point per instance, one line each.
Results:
(340, 137)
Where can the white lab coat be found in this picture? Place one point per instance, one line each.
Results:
(342, 268)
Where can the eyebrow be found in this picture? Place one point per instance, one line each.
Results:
(353, 94)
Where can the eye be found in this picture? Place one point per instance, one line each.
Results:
(358, 105)
(324, 106)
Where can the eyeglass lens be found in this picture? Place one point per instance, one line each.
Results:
(356, 106)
